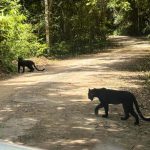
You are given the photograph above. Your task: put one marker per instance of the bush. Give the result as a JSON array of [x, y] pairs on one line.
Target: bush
[[59, 50], [16, 35]]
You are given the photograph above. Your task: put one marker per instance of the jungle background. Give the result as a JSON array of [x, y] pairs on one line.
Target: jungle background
[[60, 28]]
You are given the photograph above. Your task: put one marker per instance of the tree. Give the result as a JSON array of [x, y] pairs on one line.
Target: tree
[[48, 21], [131, 17]]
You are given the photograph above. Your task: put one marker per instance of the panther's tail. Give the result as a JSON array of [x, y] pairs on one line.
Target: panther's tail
[[38, 69], [138, 110]]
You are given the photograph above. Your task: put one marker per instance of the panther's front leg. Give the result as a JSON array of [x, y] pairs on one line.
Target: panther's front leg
[[106, 107], [97, 108]]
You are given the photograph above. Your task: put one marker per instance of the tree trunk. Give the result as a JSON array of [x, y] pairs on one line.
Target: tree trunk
[[48, 21], [103, 5]]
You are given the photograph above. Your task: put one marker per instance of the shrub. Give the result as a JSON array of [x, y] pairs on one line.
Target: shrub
[[16, 36]]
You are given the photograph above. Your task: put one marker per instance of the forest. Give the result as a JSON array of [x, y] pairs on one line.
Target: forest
[[60, 28]]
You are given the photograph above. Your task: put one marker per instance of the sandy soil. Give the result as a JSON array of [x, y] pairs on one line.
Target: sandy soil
[[50, 109]]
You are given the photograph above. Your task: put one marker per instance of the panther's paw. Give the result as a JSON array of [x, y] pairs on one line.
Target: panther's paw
[[136, 123], [105, 116]]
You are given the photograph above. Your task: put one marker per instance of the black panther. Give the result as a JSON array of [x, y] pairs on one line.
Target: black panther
[[27, 63], [109, 96]]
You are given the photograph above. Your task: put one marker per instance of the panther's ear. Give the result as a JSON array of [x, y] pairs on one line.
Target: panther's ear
[[89, 90], [19, 57]]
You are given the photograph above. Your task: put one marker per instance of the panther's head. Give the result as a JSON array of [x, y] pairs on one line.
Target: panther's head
[[20, 58], [96, 93], [91, 94]]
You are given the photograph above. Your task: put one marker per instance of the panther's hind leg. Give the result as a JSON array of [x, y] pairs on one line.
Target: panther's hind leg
[[31, 68], [133, 113], [126, 112], [23, 69]]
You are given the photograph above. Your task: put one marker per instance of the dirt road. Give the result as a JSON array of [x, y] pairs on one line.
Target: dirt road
[[50, 109]]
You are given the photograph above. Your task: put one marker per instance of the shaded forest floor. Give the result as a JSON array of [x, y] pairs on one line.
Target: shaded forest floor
[[50, 110]]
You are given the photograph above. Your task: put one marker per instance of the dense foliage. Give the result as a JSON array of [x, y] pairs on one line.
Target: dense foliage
[[131, 17], [75, 26], [16, 35]]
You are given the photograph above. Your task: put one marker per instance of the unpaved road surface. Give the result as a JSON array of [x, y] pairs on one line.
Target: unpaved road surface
[[50, 109]]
